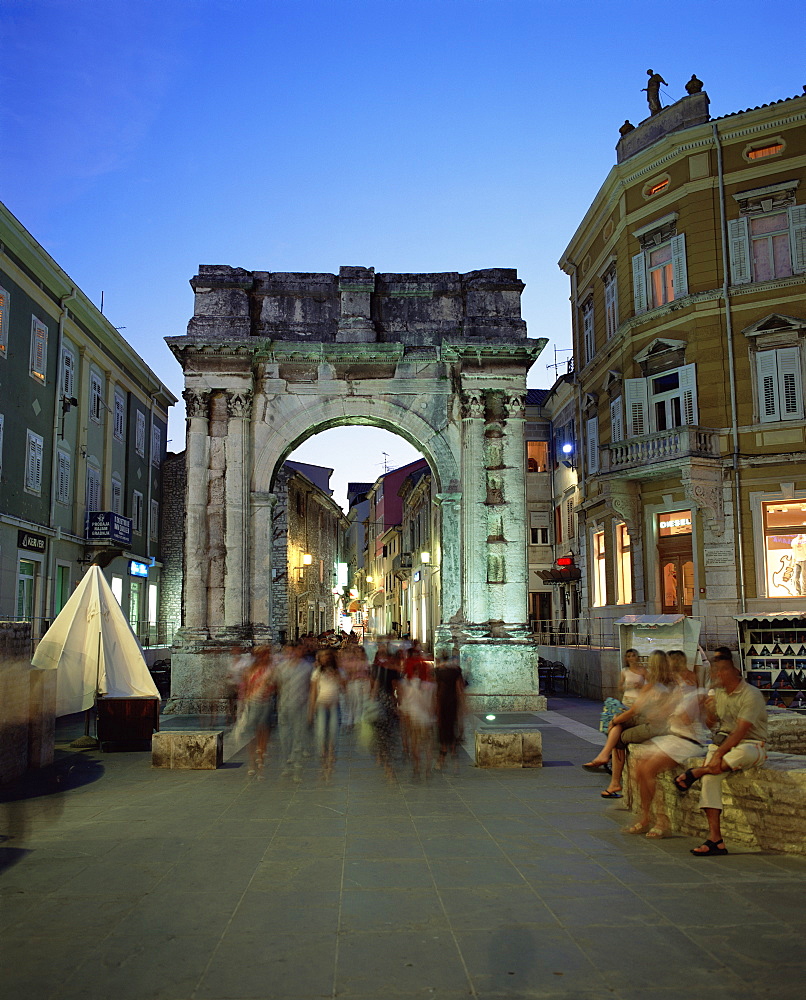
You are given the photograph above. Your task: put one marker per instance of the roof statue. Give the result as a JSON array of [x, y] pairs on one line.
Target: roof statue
[[653, 90]]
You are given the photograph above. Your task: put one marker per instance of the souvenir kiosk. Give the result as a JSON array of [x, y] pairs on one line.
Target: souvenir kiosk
[[772, 650]]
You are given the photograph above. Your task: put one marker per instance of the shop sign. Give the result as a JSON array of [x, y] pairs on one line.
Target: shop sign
[[107, 526], [677, 522], [28, 540], [138, 568]]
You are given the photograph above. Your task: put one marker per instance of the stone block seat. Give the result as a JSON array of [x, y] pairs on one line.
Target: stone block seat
[[188, 750], [764, 807], [509, 739]]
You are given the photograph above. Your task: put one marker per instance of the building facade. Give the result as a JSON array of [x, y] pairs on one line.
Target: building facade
[[688, 276], [83, 429]]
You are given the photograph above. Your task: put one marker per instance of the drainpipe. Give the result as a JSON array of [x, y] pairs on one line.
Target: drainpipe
[[734, 422], [50, 582]]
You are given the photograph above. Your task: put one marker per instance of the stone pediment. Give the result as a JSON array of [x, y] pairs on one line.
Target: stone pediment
[[775, 323], [660, 345]]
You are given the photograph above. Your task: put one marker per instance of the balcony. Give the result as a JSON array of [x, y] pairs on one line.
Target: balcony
[[655, 454], [400, 564]]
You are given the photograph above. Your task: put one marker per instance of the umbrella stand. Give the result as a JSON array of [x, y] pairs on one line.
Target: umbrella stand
[[87, 742]]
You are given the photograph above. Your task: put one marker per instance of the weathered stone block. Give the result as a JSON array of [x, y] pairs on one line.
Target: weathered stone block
[[188, 750], [509, 749]]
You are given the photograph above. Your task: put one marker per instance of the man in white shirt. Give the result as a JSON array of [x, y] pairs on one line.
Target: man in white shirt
[[738, 713]]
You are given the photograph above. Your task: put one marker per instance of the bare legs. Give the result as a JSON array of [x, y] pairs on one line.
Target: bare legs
[[601, 758]]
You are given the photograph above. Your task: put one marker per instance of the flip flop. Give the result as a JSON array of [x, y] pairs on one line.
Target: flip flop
[[684, 781], [713, 849], [611, 795], [595, 767]]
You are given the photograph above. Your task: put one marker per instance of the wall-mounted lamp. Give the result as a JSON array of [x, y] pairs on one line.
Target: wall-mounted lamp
[[307, 559], [568, 451], [370, 579], [425, 557]]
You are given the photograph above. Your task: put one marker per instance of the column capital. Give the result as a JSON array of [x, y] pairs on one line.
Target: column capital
[[514, 403], [702, 487], [472, 403], [622, 497], [239, 404], [197, 402]]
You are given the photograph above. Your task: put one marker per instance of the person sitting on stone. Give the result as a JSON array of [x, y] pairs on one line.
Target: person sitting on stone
[[736, 711]]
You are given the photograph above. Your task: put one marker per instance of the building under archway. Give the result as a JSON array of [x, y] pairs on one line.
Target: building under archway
[[441, 359]]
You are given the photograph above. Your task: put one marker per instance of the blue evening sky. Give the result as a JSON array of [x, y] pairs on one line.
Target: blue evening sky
[[140, 139]]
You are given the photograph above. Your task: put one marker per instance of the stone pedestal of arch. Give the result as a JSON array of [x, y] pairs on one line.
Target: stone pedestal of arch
[[440, 359]]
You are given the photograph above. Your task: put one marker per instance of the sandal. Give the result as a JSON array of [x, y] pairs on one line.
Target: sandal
[[593, 766], [657, 833], [713, 849], [636, 828], [684, 781], [611, 795]]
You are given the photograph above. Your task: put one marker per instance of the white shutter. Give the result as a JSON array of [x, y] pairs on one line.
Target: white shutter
[[739, 250], [790, 383], [688, 394], [593, 445], [797, 237], [679, 272], [616, 420], [39, 347], [639, 282], [635, 400], [117, 496], [68, 373], [93, 489], [33, 469], [767, 372]]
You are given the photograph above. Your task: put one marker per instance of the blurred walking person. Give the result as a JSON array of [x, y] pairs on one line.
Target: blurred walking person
[[257, 689], [326, 685], [450, 707], [293, 678]]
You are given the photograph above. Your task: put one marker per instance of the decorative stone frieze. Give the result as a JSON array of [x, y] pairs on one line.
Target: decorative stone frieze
[[623, 498]]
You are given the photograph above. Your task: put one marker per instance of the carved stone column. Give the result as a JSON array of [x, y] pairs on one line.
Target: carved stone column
[[451, 561], [514, 517], [495, 501], [261, 539], [217, 516], [474, 512], [236, 594], [197, 458]]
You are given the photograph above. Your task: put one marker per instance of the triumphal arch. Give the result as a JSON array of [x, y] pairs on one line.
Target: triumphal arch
[[441, 359]]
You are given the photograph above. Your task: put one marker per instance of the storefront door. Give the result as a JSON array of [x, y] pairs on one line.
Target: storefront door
[[676, 563]]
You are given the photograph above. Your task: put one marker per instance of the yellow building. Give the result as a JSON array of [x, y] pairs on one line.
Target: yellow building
[[688, 282]]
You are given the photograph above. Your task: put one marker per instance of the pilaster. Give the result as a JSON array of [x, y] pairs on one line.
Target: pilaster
[[236, 598], [474, 513], [195, 575]]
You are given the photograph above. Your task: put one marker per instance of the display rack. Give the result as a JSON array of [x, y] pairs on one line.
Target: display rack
[[773, 657]]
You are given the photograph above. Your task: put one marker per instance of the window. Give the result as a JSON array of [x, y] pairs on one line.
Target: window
[[120, 416], [762, 152], [33, 463], [780, 384], [5, 308], [611, 302], [537, 456], [656, 188], [785, 547], [616, 420], [588, 334], [661, 402], [39, 349], [154, 526], [768, 240], [140, 435], [96, 397], [659, 271], [156, 448], [599, 578], [539, 536], [137, 512], [623, 564], [63, 477], [558, 524], [117, 495], [592, 429], [93, 488]]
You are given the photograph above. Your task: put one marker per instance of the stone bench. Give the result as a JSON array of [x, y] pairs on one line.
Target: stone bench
[[508, 748], [764, 807], [191, 750]]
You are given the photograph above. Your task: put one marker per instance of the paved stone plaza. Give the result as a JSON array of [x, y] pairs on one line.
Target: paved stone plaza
[[124, 882]]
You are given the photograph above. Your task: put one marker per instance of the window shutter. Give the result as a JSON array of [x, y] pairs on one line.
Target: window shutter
[[635, 399], [39, 347], [38, 463], [790, 385], [739, 251], [616, 420], [4, 310], [797, 237], [767, 370], [593, 445], [688, 393], [68, 373], [63, 486], [679, 272], [639, 282]]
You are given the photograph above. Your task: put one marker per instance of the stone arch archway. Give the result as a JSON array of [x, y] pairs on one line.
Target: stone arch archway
[[440, 359]]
